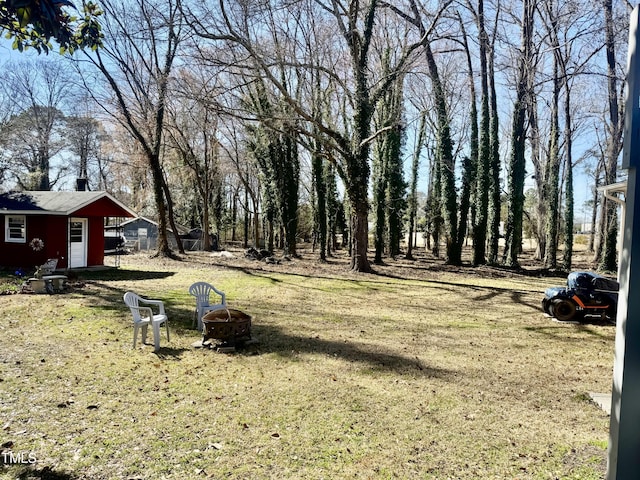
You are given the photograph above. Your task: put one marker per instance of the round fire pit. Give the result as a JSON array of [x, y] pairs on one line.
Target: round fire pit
[[227, 325]]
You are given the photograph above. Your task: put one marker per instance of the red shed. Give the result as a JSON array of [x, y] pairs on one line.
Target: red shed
[[68, 226]]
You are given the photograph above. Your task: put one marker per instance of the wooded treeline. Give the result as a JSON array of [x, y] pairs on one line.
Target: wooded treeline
[[342, 122]]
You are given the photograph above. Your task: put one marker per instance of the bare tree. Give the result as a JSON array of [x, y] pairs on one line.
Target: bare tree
[[85, 138], [347, 143], [136, 62], [417, 16]]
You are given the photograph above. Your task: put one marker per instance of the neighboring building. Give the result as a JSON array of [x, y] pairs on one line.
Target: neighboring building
[[68, 226], [141, 233]]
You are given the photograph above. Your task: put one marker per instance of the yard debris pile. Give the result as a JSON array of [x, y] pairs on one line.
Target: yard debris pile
[[263, 255]]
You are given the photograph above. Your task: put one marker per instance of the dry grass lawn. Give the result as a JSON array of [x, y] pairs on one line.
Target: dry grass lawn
[[420, 371]]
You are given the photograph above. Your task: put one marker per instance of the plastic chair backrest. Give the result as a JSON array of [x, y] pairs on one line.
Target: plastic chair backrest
[[132, 301], [202, 292]]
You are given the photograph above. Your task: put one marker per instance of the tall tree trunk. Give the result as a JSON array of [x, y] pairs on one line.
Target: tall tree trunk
[[290, 173], [171, 216], [465, 199], [333, 207], [550, 259], [484, 150], [163, 248], [413, 192], [359, 235], [608, 260], [517, 163], [435, 207], [234, 214], [256, 221], [380, 181], [144, 115], [469, 165], [594, 208], [396, 186], [320, 188], [567, 255], [540, 177], [444, 157], [494, 165], [245, 237]]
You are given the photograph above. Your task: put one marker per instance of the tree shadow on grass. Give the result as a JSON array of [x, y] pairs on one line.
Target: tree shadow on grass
[[110, 298], [45, 473], [487, 293], [120, 274], [557, 329], [271, 339], [170, 353]]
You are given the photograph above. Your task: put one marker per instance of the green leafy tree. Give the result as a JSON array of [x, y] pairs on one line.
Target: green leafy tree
[[34, 23], [33, 135]]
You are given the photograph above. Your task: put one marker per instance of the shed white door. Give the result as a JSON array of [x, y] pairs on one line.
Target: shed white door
[[77, 242]]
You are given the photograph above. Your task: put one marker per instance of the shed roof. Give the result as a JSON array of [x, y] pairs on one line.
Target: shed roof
[[181, 229], [62, 203]]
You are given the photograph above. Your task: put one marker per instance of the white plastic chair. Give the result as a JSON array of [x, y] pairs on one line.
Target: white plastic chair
[[202, 292], [143, 316]]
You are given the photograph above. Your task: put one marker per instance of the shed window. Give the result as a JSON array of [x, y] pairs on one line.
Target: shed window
[[15, 229]]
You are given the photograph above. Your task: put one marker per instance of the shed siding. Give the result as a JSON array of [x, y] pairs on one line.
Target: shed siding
[[102, 207], [95, 247], [51, 229]]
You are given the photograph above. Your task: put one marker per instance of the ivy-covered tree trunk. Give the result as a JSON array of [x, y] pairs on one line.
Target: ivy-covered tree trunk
[[289, 175], [608, 259], [389, 185], [275, 149], [494, 168], [550, 260], [247, 220], [567, 254], [515, 185], [483, 168], [434, 207], [320, 189], [333, 207], [42, 181], [541, 175], [517, 162], [396, 190], [359, 233], [444, 157], [357, 161], [469, 164], [610, 248], [380, 180]]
